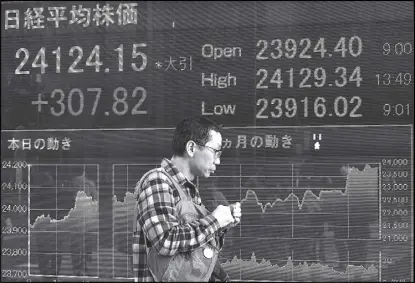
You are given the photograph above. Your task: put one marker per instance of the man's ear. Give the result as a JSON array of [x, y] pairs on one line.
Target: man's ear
[[190, 148]]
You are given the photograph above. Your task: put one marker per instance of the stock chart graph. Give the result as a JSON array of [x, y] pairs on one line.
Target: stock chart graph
[[64, 220], [311, 231], [302, 221], [308, 215], [331, 229]]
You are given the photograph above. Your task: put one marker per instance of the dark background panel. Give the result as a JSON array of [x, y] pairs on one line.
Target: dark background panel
[[236, 32], [305, 218]]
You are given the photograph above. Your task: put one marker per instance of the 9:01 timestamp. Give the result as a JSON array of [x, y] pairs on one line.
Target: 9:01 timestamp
[[396, 109]]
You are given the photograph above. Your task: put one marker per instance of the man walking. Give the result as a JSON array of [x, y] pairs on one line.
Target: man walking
[[163, 224]]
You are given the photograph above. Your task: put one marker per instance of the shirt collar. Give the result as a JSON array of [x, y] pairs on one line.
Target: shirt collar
[[176, 174]]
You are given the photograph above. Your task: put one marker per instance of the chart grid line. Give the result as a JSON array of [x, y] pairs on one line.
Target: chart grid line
[[113, 223], [98, 236], [380, 266], [294, 178], [292, 267], [348, 264], [28, 219], [128, 234], [55, 223], [292, 203], [236, 127], [240, 196], [412, 196], [348, 206], [380, 201]]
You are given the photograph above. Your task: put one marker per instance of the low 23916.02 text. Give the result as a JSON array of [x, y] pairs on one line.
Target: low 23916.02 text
[[319, 107]]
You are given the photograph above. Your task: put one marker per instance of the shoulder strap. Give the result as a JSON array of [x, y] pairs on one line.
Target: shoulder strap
[[160, 169], [137, 194], [175, 184], [138, 191]]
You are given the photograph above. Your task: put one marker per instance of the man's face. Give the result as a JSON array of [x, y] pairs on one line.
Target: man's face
[[205, 159]]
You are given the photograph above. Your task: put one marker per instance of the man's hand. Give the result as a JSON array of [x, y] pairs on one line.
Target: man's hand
[[223, 215], [236, 212]]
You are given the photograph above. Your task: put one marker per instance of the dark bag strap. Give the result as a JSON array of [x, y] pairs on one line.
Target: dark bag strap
[[138, 192], [163, 171], [175, 184]]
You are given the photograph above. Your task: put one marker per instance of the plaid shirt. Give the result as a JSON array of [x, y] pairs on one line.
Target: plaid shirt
[[158, 220]]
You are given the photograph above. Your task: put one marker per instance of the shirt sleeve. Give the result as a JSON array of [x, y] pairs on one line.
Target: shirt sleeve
[[158, 218]]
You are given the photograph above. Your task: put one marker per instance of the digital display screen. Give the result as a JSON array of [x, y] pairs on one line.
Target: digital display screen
[[316, 100]]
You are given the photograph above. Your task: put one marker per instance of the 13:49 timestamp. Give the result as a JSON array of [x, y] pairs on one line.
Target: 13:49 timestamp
[[394, 79]]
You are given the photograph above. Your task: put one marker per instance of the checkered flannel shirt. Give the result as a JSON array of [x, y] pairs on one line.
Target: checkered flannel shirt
[[158, 220]]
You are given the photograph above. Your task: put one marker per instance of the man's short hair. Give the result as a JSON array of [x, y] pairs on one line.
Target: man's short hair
[[195, 128]]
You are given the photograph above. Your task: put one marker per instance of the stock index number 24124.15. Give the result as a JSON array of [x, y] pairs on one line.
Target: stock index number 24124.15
[[58, 58]]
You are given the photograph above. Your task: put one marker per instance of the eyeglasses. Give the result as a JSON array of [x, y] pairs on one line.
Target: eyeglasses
[[217, 152]]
